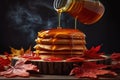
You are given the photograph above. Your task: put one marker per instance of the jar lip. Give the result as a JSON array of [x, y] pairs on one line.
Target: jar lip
[[64, 8]]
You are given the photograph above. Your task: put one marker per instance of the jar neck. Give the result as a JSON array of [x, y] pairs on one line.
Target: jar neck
[[60, 7]]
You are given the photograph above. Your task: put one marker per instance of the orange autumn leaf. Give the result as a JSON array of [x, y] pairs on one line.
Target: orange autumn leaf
[[19, 52], [28, 50], [16, 52]]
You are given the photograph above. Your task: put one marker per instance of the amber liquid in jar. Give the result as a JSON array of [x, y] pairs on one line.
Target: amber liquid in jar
[[86, 11]]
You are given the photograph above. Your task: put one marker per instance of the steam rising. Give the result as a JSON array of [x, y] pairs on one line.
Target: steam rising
[[25, 19], [29, 18]]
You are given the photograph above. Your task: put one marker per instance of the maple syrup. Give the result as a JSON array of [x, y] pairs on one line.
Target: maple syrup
[[59, 20], [86, 11], [75, 23]]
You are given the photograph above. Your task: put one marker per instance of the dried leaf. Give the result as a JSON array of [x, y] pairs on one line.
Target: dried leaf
[[2, 68], [93, 53], [116, 66], [90, 70], [4, 61], [31, 55], [53, 59], [20, 69], [75, 59], [16, 52], [115, 56], [28, 50]]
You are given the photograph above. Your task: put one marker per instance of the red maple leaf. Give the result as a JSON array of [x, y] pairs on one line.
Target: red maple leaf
[[31, 55], [2, 68], [93, 53], [115, 66], [75, 59], [4, 62], [20, 69], [53, 59], [90, 70], [115, 56]]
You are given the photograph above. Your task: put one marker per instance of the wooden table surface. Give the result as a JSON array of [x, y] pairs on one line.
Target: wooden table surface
[[52, 77]]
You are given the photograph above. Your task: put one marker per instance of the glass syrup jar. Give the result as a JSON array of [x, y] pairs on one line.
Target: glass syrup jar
[[85, 11]]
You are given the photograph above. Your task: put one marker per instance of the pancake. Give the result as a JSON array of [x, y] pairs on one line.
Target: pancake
[[62, 33], [60, 47], [59, 41], [59, 52]]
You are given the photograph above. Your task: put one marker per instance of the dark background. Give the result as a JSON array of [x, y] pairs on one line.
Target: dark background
[[20, 20]]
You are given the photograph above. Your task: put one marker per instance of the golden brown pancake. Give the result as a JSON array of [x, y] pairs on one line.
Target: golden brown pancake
[[60, 47], [62, 33], [60, 52], [59, 41]]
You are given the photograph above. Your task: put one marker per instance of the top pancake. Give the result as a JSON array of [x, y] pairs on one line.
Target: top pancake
[[61, 33]]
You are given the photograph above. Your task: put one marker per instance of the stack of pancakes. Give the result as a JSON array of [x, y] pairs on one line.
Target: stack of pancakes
[[62, 43]]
